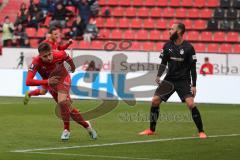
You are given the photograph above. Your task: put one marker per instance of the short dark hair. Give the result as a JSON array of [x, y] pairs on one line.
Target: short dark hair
[[44, 47], [182, 27], [52, 29]]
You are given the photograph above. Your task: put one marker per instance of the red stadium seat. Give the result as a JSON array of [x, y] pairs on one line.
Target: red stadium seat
[[116, 34], [168, 12], [66, 30], [150, 3], [187, 3], [131, 12], [100, 22], [137, 3], [75, 45], [111, 23], [180, 13], [171, 22], [129, 34], [225, 48], [199, 3], [193, 13], [149, 23], [34, 43], [213, 47], [162, 3], [154, 35], [219, 36], [104, 34], [174, 3], [165, 35], [193, 36], [161, 24], [155, 12], [188, 23], [199, 47], [101, 2], [136, 23], [112, 2], [98, 45], [124, 3], [206, 13], [142, 35], [84, 45], [159, 46], [31, 32], [123, 23], [236, 48], [117, 12], [199, 24], [212, 3], [148, 46], [232, 37], [143, 12], [206, 36], [136, 46], [42, 32], [72, 9]]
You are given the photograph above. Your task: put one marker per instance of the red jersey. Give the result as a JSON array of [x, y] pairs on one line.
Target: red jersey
[[206, 68], [55, 46], [55, 68]]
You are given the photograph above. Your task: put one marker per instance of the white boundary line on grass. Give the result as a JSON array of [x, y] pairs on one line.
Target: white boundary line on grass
[[120, 143], [95, 156]]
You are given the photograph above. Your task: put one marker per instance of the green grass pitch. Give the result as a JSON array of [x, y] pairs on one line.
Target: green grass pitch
[[36, 126]]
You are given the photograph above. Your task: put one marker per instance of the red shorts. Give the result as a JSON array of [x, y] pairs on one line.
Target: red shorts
[[63, 86]]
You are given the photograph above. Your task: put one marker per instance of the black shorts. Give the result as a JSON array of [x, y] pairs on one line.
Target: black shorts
[[182, 87]]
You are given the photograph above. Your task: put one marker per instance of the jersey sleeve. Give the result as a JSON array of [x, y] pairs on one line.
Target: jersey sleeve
[[192, 55], [30, 81], [164, 54]]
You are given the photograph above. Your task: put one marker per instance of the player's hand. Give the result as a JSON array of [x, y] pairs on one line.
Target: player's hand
[[157, 80], [194, 91], [70, 41], [53, 80]]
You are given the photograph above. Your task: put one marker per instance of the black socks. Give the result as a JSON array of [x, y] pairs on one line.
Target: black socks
[[154, 114], [197, 119]]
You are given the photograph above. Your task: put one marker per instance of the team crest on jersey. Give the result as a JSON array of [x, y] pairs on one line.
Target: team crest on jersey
[[181, 51]]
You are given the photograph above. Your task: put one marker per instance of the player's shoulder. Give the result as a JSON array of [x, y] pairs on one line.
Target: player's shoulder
[[167, 44], [187, 44], [36, 60]]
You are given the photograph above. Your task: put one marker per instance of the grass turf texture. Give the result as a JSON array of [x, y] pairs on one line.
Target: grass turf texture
[[36, 126]]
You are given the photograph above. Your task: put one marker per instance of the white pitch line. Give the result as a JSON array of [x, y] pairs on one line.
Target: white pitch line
[[121, 143], [95, 156]]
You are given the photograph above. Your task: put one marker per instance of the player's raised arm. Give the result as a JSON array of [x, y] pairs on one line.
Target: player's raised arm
[[65, 46]]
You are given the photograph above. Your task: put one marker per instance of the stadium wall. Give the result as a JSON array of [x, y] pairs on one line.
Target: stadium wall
[[211, 89]]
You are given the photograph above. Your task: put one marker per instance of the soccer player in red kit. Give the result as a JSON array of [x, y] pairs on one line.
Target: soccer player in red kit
[[52, 41], [56, 79]]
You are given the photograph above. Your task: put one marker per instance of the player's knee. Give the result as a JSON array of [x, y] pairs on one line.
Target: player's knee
[[190, 104], [156, 101]]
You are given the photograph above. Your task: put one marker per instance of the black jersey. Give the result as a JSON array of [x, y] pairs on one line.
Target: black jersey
[[179, 59]]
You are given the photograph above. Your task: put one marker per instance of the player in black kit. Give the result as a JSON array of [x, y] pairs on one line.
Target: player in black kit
[[179, 55]]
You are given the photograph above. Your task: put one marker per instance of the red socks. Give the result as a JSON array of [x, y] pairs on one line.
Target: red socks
[[65, 113], [35, 92], [76, 116]]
